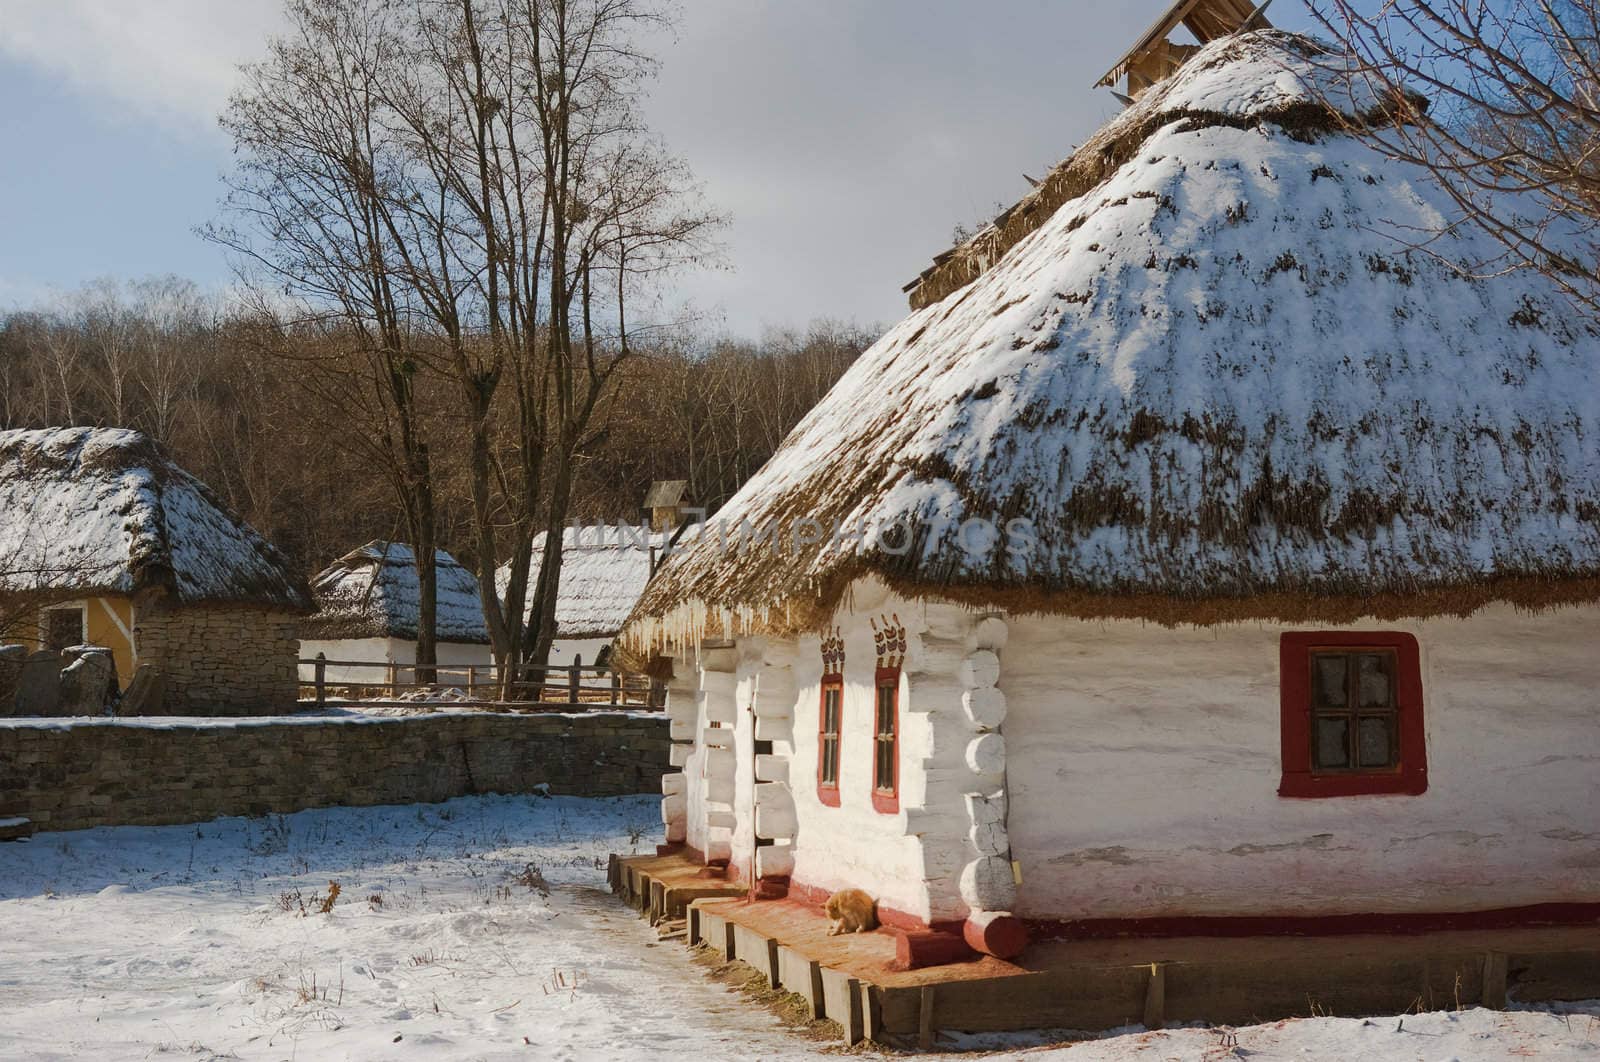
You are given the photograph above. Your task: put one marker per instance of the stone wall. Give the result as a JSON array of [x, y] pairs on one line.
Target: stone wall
[[66, 775], [221, 659]]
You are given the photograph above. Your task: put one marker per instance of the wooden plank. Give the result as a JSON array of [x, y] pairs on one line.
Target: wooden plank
[[818, 997], [730, 943], [855, 1029], [694, 925], [1494, 980], [925, 1018], [774, 975], [1155, 997]]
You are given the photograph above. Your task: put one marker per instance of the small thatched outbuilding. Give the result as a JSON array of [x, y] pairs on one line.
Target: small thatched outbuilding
[[104, 540], [1196, 555], [367, 612], [604, 570]]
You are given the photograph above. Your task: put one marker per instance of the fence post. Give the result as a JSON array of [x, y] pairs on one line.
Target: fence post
[[322, 679], [573, 678], [616, 685], [393, 675], [472, 680]]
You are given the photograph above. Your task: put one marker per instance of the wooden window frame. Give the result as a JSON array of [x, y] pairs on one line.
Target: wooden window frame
[[80, 607], [1301, 778], [828, 792], [886, 800]]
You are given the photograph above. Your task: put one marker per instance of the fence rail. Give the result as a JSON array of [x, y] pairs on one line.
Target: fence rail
[[560, 687]]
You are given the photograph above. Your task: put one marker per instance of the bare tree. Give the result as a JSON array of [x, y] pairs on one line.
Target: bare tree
[[311, 197], [1507, 119]]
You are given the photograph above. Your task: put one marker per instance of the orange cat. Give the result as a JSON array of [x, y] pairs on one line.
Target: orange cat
[[851, 911]]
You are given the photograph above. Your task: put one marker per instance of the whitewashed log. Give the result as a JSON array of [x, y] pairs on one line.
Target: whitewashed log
[[721, 820], [721, 762], [674, 783], [679, 755], [681, 729], [718, 659], [674, 807], [776, 821], [986, 755], [719, 684], [770, 705], [686, 708], [719, 709], [774, 861], [717, 737], [770, 768], [774, 730], [719, 849], [985, 708], [980, 670], [985, 808], [990, 633], [678, 831], [989, 839], [719, 790], [987, 885]]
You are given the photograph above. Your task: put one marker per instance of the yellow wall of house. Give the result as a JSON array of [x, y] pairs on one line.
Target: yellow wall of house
[[101, 630]]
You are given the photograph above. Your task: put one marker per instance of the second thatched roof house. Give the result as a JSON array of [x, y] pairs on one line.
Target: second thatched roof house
[[368, 612], [103, 539], [1196, 557]]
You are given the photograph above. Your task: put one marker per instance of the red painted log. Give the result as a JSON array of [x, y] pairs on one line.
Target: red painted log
[[996, 933], [916, 948]]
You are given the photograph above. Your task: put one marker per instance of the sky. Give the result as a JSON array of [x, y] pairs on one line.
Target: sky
[[845, 139]]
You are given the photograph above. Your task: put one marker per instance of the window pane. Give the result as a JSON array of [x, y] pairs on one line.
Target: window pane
[[1327, 680], [830, 760], [885, 710], [1373, 682], [1333, 742], [63, 628], [885, 775], [830, 711], [1376, 741]]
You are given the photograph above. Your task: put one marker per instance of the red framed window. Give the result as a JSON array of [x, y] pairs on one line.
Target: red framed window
[[886, 740], [1351, 714], [829, 716]]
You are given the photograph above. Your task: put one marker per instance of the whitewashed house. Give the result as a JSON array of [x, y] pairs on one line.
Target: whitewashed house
[[604, 570], [367, 613], [1195, 558]]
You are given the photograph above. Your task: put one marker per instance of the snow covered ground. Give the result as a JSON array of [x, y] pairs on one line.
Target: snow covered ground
[[475, 929]]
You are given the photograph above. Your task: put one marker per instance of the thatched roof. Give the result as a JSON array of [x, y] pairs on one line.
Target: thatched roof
[[104, 510], [372, 592], [1216, 383], [604, 569]]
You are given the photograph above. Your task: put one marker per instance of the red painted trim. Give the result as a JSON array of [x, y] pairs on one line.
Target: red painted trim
[[1409, 922], [814, 896], [1294, 662], [886, 801], [829, 793]]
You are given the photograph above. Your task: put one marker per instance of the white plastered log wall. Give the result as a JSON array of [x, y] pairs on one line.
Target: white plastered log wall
[[1144, 766]]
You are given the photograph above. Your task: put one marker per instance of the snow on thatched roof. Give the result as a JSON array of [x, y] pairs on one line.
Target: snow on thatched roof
[[604, 569], [372, 592], [104, 510], [1216, 384]]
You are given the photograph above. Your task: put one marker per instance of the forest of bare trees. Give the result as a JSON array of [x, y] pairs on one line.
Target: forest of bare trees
[[219, 387]]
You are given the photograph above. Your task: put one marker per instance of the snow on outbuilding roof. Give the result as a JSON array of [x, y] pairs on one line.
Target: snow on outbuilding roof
[[604, 569], [104, 510], [372, 592], [1216, 384]]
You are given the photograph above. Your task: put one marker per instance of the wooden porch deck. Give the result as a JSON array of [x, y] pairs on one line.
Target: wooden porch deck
[[1102, 984]]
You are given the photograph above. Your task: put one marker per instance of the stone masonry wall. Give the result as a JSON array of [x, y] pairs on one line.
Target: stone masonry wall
[[221, 660], [74, 774]]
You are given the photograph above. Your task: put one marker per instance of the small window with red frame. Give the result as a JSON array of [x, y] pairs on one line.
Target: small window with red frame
[[828, 729], [886, 741], [1351, 714]]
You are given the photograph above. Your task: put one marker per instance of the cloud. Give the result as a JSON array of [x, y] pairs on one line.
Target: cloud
[[171, 60]]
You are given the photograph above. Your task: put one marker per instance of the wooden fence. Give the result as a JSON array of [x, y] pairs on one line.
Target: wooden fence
[[563, 687]]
